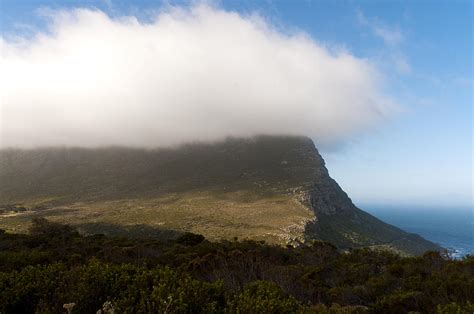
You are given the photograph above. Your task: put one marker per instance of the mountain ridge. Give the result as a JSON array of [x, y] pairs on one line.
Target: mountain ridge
[[274, 188]]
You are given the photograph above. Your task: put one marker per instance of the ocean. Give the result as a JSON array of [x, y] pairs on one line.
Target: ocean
[[451, 228]]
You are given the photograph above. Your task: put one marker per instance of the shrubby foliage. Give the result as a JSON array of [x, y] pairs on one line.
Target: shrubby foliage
[[54, 266]]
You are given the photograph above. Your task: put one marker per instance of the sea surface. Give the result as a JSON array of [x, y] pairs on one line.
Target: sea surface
[[452, 228]]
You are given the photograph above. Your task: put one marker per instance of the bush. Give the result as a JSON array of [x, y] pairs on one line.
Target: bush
[[264, 297], [454, 308], [55, 266], [44, 227], [190, 239]]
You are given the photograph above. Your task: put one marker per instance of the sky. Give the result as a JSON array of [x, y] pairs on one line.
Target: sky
[[385, 89]]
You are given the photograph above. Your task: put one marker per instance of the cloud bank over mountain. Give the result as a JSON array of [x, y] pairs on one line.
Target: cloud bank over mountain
[[198, 73]]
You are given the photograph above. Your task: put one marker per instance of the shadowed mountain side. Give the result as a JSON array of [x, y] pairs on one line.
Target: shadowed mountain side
[[109, 173], [275, 188], [362, 229], [134, 231]]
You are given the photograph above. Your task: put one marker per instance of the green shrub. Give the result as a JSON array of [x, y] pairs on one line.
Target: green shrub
[[190, 238], [454, 308], [39, 273], [264, 297]]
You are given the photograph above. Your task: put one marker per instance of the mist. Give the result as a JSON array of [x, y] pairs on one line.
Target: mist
[[195, 73]]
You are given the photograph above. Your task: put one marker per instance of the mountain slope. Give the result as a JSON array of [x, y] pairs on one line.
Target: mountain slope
[[274, 188]]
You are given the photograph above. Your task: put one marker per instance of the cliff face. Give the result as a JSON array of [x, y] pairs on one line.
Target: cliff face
[[337, 219], [266, 187]]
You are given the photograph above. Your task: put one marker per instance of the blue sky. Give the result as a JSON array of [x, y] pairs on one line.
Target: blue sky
[[420, 156]]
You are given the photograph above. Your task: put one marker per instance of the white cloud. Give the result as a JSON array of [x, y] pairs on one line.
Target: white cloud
[[197, 73], [108, 3], [392, 38], [390, 35]]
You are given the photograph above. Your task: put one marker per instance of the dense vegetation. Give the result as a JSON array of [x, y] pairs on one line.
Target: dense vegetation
[[55, 266]]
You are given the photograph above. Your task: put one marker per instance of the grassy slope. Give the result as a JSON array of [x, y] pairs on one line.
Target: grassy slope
[[276, 219]]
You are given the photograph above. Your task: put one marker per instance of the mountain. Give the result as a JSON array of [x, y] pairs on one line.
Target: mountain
[[272, 188]]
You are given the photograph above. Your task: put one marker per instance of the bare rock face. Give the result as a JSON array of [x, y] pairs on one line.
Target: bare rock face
[[339, 221], [321, 192], [266, 166]]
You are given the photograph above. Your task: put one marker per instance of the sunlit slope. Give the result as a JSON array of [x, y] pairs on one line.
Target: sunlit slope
[[273, 188]]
